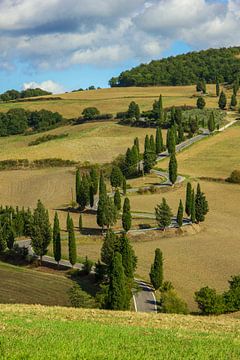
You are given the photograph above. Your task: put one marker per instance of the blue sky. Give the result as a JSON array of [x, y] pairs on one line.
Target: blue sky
[[61, 45]]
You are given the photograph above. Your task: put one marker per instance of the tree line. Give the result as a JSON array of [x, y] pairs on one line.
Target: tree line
[[16, 95]]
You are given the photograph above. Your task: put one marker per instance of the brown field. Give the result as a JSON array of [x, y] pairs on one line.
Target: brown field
[[93, 142], [117, 99]]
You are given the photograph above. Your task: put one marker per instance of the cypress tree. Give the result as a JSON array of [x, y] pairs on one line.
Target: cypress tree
[[94, 180], [159, 141], [116, 177], [126, 215], [3, 242], [117, 291], [217, 88], [78, 183], [193, 210], [173, 169], [222, 101], [188, 204], [102, 186], [68, 221], [146, 143], [91, 195], [109, 247], [211, 122], [9, 235], [180, 134], [136, 143], [110, 213], [172, 115], [152, 144], [180, 214], [56, 239], [101, 210], [149, 155], [233, 101], [171, 141], [117, 200], [133, 111], [163, 214], [178, 116], [201, 205], [41, 234], [72, 244], [80, 223], [84, 193], [156, 273], [128, 256], [201, 103], [124, 185]]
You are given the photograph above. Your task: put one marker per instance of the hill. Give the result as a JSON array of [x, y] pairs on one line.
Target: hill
[[184, 69], [36, 332]]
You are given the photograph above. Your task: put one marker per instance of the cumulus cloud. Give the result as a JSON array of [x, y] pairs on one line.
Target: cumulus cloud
[[47, 85], [55, 34]]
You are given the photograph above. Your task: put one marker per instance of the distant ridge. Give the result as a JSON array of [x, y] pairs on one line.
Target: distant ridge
[[185, 69]]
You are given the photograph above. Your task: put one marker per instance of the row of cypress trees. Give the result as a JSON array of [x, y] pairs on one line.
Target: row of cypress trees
[[86, 188]]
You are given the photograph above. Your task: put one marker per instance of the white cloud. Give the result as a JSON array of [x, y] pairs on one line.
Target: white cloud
[[55, 34], [47, 85]]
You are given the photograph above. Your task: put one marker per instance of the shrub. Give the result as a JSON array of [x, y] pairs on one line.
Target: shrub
[[46, 138], [234, 177], [87, 266], [80, 299], [232, 296], [209, 302], [90, 112], [201, 103], [17, 255], [171, 303]]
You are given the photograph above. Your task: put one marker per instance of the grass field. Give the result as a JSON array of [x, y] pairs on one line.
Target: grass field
[[83, 334], [25, 286], [94, 142], [117, 99]]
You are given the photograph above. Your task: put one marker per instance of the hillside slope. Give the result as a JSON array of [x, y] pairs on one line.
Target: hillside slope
[[184, 69], [36, 332]]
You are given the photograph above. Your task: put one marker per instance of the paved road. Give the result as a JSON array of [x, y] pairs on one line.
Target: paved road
[[144, 300]]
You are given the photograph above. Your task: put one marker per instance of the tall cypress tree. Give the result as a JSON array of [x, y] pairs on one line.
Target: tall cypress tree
[[201, 205], [156, 273], [109, 247], [124, 185], [188, 203], [152, 144], [102, 185], [116, 177], [80, 223], [56, 239], [117, 291], [126, 215], [211, 122], [128, 256], [171, 141], [233, 101], [117, 200], [180, 134], [222, 102], [193, 210], [72, 244], [84, 193], [78, 183], [3, 242], [41, 234], [136, 143], [91, 195], [173, 169], [94, 180], [159, 141], [149, 155], [180, 214], [68, 221], [163, 214], [110, 215]]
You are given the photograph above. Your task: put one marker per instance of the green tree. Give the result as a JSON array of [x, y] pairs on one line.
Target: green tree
[[180, 134], [172, 168], [156, 272], [159, 141], [211, 122], [117, 200], [116, 177], [94, 180], [233, 101], [152, 144], [117, 291], [201, 205], [101, 211], [149, 155], [78, 184], [193, 209], [90, 113], [56, 239], [222, 102], [128, 256], [91, 195], [136, 143], [209, 302], [3, 242], [84, 192], [126, 215], [171, 141], [41, 234], [68, 221], [109, 247], [110, 216], [163, 214], [201, 103], [188, 203], [157, 111], [80, 223], [133, 111], [102, 185], [72, 250], [180, 214], [124, 185], [217, 88]]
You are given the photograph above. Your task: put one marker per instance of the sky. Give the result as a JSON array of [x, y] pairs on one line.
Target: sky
[[61, 45]]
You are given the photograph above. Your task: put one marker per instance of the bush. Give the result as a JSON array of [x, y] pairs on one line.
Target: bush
[[232, 296], [209, 302], [80, 299], [171, 303], [46, 138], [201, 103], [17, 255], [90, 113], [234, 177]]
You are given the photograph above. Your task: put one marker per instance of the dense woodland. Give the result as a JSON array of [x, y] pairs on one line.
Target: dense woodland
[[222, 64], [16, 95]]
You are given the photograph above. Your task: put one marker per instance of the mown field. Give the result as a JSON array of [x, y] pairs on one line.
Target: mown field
[[93, 142], [26, 286], [83, 334], [117, 99]]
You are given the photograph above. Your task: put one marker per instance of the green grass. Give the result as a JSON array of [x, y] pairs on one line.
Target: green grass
[[25, 286], [57, 333]]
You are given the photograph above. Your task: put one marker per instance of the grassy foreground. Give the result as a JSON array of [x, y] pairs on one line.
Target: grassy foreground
[[35, 332]]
